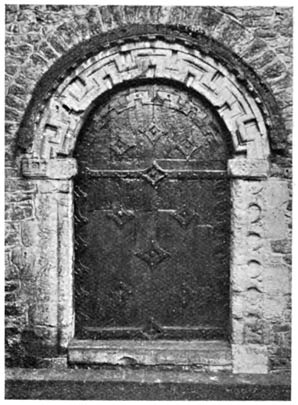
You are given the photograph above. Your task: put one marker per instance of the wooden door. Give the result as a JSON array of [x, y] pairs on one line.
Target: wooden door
[[152, 218]]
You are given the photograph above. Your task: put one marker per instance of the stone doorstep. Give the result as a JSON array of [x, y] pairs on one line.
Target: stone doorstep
[[124, 383], [145, 375], [208, 355]]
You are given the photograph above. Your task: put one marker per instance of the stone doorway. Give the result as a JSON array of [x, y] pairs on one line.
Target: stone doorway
[[152, 218], [230, 89]]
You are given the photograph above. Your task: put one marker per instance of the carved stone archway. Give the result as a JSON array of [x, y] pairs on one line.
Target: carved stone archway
[[62, 119], [49, 163]]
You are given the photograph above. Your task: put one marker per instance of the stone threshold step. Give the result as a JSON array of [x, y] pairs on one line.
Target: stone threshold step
[[122, 383], [206, 355]]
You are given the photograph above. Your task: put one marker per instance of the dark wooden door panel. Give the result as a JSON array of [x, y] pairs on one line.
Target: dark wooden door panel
[[152, 219]]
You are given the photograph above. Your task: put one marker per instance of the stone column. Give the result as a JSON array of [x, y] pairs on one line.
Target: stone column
[[51, 319]]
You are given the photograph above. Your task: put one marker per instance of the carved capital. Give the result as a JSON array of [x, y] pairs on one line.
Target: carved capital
[[59, 169], [248, 168]]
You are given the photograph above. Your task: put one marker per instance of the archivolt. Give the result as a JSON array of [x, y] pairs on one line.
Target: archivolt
[[152, 56]]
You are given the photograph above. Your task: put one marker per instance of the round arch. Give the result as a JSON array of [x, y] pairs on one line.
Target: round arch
[[187, 59]]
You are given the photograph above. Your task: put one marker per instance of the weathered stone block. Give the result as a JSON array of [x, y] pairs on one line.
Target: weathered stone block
[[11, 271], [53, 169], [47, 51], [15, 102], [275, 199], [276, 279], [288, 259], [250, 359], [24, 260], [18, 196], [257, 47], [242, 284], [12, 286], [57, 44], [16, 90], [12, 234], [54, 186], [20, 185], [40, 61], [40, 341], [249, 280], [29, 232], [274, 70], [12, 115], [254, 332], [26, 83], [42, 309], [248, 168], [207, 355], [264, 59], [247, 303], [275, 305], [10, 129], [282, 246], [14, 308]]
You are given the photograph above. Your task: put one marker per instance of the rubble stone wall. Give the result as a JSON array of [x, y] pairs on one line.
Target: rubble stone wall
[[37, 36]]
